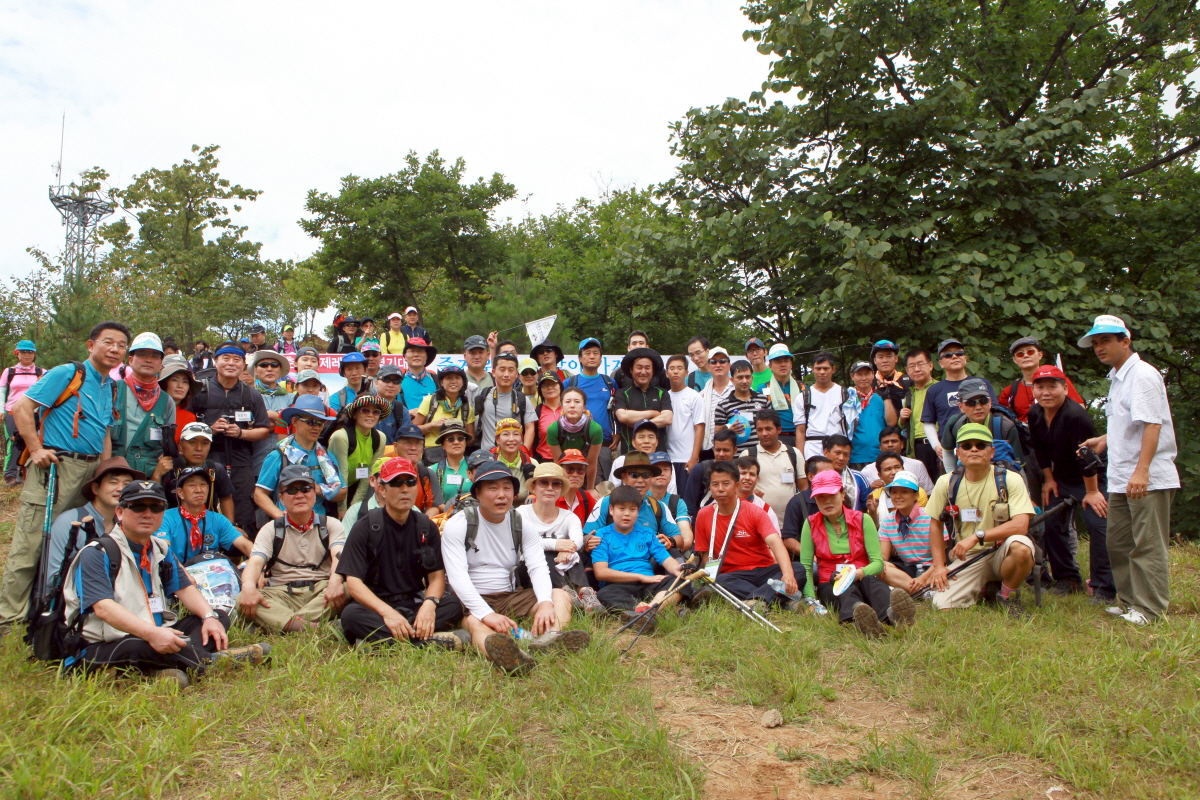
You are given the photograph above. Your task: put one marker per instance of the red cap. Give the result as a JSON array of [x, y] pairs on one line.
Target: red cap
[[395, 467], [572, 456], [1049, 371], [416, 341]]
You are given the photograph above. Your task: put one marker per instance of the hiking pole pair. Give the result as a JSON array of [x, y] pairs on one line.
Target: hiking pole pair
[[648, 616], [738, 604], [1038, 521]]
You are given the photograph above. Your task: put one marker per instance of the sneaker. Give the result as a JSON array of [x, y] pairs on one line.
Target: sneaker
[[591, 602], [903, 611], [923, 596], [1012, 605], [503, 652], [11, 481], [571, 641], [176, 676], [464, 636], [650, 625], [1136, 617], [256, 654], [1064, 588], [444, 640], [1116, 610], [576, 603], [867, 621], [1104, 600]]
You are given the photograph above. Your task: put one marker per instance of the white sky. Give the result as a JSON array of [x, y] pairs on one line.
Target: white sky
[[560, 97]]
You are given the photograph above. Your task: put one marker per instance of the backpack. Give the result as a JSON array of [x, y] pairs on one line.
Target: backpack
[[519, 406], [949, 515], [72, 390], [281, 533], [385, 339], [37, 373], [514, 524], [752, 451], [428, 548], [809, 407], [1023, 434], [47, 631]]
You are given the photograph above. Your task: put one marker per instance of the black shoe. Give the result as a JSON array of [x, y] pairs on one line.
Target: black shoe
[[703, 596], [651, 623], [991, 593], [1012, 605], [1064, 588]]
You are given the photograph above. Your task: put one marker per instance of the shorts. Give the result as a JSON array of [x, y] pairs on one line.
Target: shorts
[[513, 604], [966, 587]]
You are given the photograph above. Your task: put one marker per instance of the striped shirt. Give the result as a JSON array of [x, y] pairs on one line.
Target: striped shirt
[[914, 548]]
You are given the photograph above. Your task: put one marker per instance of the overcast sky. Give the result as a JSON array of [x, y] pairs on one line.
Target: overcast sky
[[560, 97]]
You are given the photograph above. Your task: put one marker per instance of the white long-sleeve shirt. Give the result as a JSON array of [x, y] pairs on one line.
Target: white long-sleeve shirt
[[565, 526], [490, 567]]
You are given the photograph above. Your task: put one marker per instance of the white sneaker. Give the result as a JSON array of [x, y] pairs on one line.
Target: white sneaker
[[1116, 611], [1136, 617]]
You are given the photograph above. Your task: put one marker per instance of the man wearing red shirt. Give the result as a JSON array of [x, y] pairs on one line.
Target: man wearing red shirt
[[754, 554], [1027, 354]]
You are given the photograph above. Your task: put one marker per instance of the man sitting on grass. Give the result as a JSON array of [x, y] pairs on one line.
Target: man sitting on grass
[[392, 556], [625, 558], [904, 534], [479, 548]]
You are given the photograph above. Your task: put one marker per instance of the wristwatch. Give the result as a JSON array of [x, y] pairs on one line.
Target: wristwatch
[[434, 600], [210, 615], [979, 535]]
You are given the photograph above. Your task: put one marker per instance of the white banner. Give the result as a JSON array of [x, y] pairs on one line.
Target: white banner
[[539, 329]]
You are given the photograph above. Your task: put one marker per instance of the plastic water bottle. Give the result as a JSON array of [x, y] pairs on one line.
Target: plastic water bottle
[[779, 586], [521, 633]]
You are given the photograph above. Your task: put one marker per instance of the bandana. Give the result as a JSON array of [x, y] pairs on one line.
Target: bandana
[[263, 389], [293, 453], [895, 381], [146, 392], [145, 564], [301, 528], [566, 426], [195, 538], [508, 424]]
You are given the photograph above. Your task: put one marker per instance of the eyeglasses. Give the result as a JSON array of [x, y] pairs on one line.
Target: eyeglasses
[[303, 488], [403, 480], [1024, 353], [311, 422], [142, 508], [974, 445], [955, 354], [454, 439], [718, 361], [637, 475], [976, 402]]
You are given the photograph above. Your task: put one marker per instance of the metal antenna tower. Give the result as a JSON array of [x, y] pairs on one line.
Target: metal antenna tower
[[81, 213]]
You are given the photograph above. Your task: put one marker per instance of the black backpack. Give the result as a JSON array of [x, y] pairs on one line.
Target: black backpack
[[949, 517], [519, 405], [514, 524], [47, 631], [429, 543]]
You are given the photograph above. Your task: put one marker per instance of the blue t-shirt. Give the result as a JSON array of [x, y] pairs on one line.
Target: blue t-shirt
[[97, 409], [268, 477], [414, 390], [870, 422], [598, 397], [698, 380], [645, 518], [941, 403], [92, 583], [217, 533], [637, 551]]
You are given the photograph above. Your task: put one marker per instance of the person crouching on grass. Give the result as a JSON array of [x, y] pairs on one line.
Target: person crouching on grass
[[904, 532], [835, 536]]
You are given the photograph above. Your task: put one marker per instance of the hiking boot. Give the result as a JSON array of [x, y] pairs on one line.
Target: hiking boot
[[1012, 605], [1104, 600], [991, 593], [464, 636], [1064, 588], [571, 641], [703, 596], [176, 676], [923, 596], [11, 481], [503, 652], [903, 611], [255, 654], [650, 622], [867, 621], [445, 640], [576, 603], [1136, 617], [591, 602]]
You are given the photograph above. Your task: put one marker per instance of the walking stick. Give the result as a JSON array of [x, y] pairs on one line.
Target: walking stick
[[741, 606], [1037, 522]]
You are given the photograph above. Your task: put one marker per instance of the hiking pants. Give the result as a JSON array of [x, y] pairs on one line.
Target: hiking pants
[[746, 584], [870, 590], [1057, 542], [11, 468], [287, 601], [1138, 534], [628, 595], [243, 480], [576, 576], [26, 549], [136, 653], [361, 623]]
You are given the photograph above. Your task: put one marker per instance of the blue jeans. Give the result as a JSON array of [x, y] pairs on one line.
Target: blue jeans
[[1057, 542]]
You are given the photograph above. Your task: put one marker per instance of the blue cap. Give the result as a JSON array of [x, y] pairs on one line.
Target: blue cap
[[26, 344], [308, 404], [591, 340], [350, 358], [1105, 323], [660, 458], [410, 431], [645, 423], [492, 471], [904, 480], [244, 339]]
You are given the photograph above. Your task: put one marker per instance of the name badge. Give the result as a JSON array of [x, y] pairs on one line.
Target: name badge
[[156, 604], [712, 568], [156, 434], [454, 480], [971, 515], [243, 416], [787, 477], [362, 473]]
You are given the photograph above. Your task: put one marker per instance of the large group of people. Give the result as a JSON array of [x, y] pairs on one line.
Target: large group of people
[[481, 507]]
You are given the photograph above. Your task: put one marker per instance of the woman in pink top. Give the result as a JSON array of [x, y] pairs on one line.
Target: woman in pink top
[[14, 382], [549, 409]]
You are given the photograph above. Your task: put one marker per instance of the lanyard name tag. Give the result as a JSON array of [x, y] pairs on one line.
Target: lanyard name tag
[[156, 604], [787, 477], [454, 480], [971, 515], [362, 473], [156, 434], [243, 416], [713, 567]]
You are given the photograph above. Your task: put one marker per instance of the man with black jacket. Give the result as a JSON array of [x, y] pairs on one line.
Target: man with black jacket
[[1057, 426], [643, 398]]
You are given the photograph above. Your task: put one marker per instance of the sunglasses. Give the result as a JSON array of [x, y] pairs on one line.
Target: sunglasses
[[1024, 353], [974, 445], [310, 421], [454, 439], [955, 354], [553, 484], [142, 508], [403, 480], [718, 361], [976, 402], [575, 470], [301, 489], [637, 475], [374, 412]]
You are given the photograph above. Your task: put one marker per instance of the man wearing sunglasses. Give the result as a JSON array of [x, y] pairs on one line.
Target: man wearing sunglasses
[[387, 386], [941, 399], [195, 442], [636, 471], [981, 519], [127, 619], [716, 390], [1019, 396], [975, 405], [305, 420]]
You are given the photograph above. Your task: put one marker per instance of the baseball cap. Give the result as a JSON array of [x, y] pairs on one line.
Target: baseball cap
[[492, 471], [295, 473], [196, 430], [388, 371], [527, 363], [754, 341], [142, 490], [257, 329], [452, 369], [1105, 323], [779, 350], [146, 341], [659, 458], [410, 431], [973, 432], [946, 343], [26, 344], [588, 342], [508, 357], [826, 482], [308, 351], [972, 387], [477, 458], [904, 480], [1022, 342], [310, 375], [547, 376], [1049, 371], [289, 327], [645, 423], [395, 467], [717, 351], [410, 309], [372, 347], [573, 456], [475, 342], [189, 472], [861, 365], [395, 315]]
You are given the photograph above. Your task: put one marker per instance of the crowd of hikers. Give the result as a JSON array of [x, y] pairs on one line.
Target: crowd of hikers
[[165, 496]]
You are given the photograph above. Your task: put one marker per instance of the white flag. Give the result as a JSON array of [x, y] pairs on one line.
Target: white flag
[[539, 329]]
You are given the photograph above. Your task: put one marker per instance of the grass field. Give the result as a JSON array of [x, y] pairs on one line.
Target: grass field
[[967, 704]]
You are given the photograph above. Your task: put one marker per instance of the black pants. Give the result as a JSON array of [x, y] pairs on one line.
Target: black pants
[[745, 584], [870, 590], [360, 622], [1056, 542], [923, 451], [243, 480], [681, 477], [576, 576], [628, 595], [11, 468], [137, 653]]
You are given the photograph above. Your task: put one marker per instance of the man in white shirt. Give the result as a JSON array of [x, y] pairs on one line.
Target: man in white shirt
[[819, 407], [780, 467], [480, 555], [686, 435], [713, 393], [1142, 478]]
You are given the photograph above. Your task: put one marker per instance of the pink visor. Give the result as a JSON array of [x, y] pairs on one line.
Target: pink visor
[[826, 482]]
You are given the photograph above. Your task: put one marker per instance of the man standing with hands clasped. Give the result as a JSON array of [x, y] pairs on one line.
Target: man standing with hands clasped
[[1142, 478]]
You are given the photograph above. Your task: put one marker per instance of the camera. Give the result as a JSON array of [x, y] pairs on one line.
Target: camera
[[1091, 462]]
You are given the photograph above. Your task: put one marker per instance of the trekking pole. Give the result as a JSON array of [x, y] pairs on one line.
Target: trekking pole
[[739, 605], [39, 575], [1038, 521], [676, 585]]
